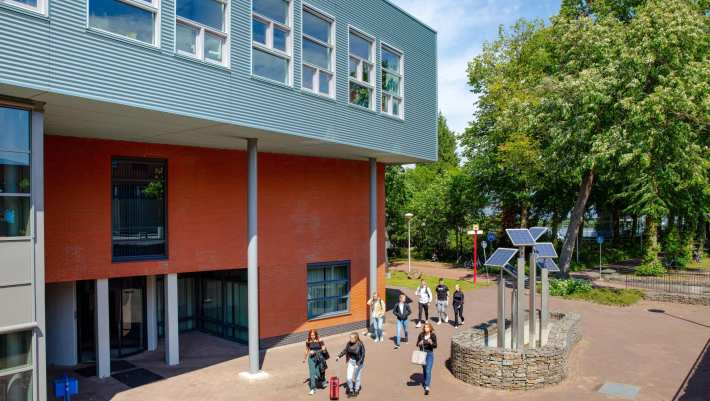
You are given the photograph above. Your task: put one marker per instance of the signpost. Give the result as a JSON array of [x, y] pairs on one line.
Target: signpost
[[600, 241], [475, 233]]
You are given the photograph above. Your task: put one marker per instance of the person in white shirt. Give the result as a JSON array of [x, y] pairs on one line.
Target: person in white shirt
[[423, 294]]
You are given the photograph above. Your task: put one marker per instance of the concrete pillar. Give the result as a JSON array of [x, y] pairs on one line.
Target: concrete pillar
[[373, 226], [172, 330], [103, 333], [501, 309], [533, 294], [252, 256], [545, 300], [519, 305], [151, 306]]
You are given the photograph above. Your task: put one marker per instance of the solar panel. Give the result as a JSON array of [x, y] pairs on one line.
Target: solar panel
[[548, 264], [545, 250], [537, 232], [501, 256], [520, 236], [512, 270]]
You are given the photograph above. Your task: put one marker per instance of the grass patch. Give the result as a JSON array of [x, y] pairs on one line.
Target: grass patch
[[399, 279], [608, 296], [704, 263]]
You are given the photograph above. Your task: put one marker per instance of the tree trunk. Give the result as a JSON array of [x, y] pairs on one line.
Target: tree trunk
[[651, 239], [524, 217], [576, 221], [555, 225], [615, 232], [507, 221]]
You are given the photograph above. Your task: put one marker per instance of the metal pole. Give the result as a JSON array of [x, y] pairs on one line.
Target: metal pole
[[252, 257], [520, 307], [373, 226], [600, 262], [514, 319], [409, 244], [501, 310], [545, 300], [533, 294]]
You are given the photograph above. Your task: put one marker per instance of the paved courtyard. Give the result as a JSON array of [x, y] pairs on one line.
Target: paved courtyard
[[657, 347]]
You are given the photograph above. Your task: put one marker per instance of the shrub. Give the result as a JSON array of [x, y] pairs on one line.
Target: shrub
[[651, 269], [569, 287], [609, 296]]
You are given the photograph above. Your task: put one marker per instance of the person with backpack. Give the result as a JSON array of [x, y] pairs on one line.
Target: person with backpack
[[458, 306], [354, 353], [401, 312], [427, 343], [316, 354], [423, 294], [442, 301], [377, 308]]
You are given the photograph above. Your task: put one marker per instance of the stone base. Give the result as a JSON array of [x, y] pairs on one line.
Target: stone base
[[260, 375], [474, 362]]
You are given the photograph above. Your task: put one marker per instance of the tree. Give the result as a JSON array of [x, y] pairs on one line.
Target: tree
[[447, 144]]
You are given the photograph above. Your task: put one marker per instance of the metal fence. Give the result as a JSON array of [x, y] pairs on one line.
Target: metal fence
[[673, 282]]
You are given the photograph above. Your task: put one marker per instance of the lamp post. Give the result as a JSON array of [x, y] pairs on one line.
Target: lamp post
[[409, 216]]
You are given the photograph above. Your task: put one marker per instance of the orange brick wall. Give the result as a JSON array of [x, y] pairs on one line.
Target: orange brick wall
[[310, 210]]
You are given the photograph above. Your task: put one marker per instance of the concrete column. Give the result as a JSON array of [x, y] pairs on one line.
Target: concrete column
[[103, 334], [252, 256], [519, 305], [172, 330], [533, 294], [37, 190], [545, 300], [151, 306], [501, 309], [373, 226]]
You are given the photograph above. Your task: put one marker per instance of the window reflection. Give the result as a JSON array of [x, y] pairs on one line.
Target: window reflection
[[123, 19]]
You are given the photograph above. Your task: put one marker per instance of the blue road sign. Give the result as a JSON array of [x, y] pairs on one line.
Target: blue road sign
[[491, 236], [600, 239]]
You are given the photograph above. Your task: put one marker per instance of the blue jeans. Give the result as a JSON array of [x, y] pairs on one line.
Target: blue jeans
[[427, 368], [401, 326], [377, 323], [354, 376]]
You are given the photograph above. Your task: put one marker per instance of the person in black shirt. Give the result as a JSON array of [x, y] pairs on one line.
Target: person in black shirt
[[442, 301], [458, 306], [316, 354], [354, 353], [401, 311], [427, 343]]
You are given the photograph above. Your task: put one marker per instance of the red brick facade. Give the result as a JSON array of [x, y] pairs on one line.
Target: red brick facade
[[310, 210]]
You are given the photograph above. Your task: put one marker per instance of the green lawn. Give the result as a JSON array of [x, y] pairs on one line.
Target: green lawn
[[608, 296], [399, 279], [704, 263]]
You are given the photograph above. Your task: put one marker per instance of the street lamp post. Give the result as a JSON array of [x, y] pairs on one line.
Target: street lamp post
[[409, 216]]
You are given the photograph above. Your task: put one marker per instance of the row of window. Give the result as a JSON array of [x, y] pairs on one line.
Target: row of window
[[16, 366], [202, 32]]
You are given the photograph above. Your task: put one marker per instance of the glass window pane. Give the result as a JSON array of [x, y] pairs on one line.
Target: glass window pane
[[340, 273], [186, 39], [353, 67], [395, 107], [14, 129], [390, 83], [122, 19], [280, 39], [309, 75], [277, 10], [366, 73], [390, 60], [316, 54], [269, 66], [258, 29], [15, 350], [315, 275], [360, 47], [17, 387], [324, 82], [213, 47], [316, 27], [385, 103], [31, 3], [360, 95], [14, 216], [14, 172], [206, 12]]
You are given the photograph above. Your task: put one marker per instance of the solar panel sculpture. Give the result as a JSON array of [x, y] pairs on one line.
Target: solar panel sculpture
[[540, 257]]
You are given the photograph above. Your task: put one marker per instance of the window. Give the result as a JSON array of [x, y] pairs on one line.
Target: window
[[139, 209], [135, 19], [361, 70], [39, 6], [328, 289], [16, 366], [318, 53], [271, 40], [392, 98], [201, 30], [14, 172]]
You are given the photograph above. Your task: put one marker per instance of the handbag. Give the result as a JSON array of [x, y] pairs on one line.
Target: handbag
[[419, 357], [326, 354]]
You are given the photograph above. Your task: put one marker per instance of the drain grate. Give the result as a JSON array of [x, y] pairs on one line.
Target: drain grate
[[626, 391]]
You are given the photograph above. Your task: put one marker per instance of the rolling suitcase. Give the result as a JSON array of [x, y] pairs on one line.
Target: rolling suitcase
[[334, 388]]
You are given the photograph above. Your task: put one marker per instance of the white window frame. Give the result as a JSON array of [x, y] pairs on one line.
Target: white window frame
[[200, 40], [269, 46], [40, 9], [400, 74], [153, 7], [373, 64], [331, 46]]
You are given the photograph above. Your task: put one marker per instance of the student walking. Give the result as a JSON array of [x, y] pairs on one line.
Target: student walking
[[427, 343], [458, 305], [354, 353], [377, 308], [401, 312], [442, 301], [316, 354], [423, 294]]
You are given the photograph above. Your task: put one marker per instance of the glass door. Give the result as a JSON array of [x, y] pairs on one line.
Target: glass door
[[127, 316], [85, 320]]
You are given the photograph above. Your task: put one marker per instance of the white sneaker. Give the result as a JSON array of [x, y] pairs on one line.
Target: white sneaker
[[419, 324], [446, 319], [312, 392], [438, 323]]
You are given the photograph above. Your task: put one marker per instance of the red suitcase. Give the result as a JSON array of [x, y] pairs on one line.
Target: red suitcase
[[334, 388]]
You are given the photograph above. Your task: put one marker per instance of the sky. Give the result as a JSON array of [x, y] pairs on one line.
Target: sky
[[463, 26]]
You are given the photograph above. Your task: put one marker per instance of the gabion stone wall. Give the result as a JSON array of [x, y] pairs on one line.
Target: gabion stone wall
[[475, 363]]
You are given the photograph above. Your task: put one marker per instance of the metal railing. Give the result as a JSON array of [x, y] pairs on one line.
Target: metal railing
[[673, 282]]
